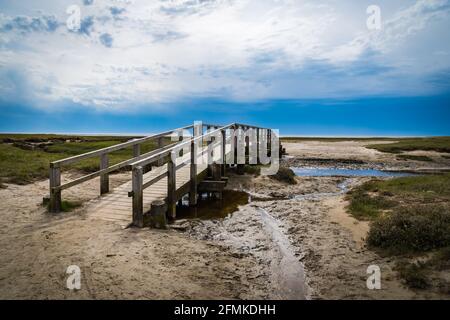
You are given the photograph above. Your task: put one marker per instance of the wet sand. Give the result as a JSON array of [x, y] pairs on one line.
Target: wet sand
[[289, 241]]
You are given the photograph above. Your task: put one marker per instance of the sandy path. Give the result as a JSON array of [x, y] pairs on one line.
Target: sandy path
[[36, 248], [303, 246]]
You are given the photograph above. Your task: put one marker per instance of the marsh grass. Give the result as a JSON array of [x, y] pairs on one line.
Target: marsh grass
[[412, 229], [66, 206], [371, 198], [414, 275], [410, 217], [414, 157], [252, 169], [408, 214], [21, 166], [285, 175], [439, 144]]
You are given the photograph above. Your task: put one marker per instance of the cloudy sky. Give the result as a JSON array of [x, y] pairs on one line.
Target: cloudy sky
[[158, 63]]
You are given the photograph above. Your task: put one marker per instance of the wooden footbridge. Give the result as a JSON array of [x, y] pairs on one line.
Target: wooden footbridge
[[195, 162]]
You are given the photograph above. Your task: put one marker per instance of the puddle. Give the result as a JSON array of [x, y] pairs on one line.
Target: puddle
[[330, 172], [210, 208]]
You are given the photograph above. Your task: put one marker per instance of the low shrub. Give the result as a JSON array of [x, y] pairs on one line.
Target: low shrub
[[285, 175], [414, 275], [412, 229]]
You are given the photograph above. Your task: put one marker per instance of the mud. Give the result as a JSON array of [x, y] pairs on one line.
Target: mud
[[288, 241]]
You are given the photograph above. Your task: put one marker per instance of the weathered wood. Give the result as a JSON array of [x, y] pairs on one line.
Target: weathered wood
[[171, 189], [110, 169], [158, 218], [257, 145], [115, 147], [55, 194], [193, 175], [138, 197], [136, 150], [104, 178], [211, 186], [216, 172], [224, 145], [160, 145]]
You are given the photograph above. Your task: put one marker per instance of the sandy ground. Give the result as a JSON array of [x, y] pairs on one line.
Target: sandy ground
[[36, 248], [291, 242]]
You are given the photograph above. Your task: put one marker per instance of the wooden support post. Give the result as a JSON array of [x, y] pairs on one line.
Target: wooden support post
[[138, 201], [216, 172], [55, 195], [160, 145], [257, 145], [104, 178], [247, 150], [235, 140], [136, 150], [171, 189], [224, 149], [193, 176], [158, 217]]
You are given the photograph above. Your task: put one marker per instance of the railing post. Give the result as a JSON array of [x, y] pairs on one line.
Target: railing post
[[193, 176], [55, 195], [224, 149], [104, 178], [138, 201], [171, 188], [136, 150], [257, 145], [160, 145]]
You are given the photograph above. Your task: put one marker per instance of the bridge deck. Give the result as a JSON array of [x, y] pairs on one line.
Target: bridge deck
[[116, 206]]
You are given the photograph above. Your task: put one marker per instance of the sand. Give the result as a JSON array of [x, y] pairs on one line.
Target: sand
[[299, 243]]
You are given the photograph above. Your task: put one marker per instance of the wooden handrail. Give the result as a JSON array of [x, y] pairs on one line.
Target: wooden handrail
[[116, 147], [136, 163], [181, 145]]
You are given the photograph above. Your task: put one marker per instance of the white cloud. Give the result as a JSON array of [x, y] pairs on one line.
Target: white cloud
[[149, 52]]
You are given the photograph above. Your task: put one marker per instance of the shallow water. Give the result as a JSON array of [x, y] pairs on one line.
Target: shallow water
[[208, 208], [329, 172], [287, 270]]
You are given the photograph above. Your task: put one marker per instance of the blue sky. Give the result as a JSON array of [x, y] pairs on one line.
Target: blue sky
[[305, 67]]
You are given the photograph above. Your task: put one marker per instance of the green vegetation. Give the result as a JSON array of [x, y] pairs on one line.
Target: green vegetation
[[410, 216], [374, 197], [285, 175], [329, 139], [414, 274], [66, 206], [23, 166], [412, 229], [440, 144], [252, 169], [413, 157]]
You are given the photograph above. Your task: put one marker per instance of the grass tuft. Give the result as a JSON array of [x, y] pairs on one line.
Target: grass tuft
[[439, 144], [412, 229], [413, 157], [285, 175], [414, 275]]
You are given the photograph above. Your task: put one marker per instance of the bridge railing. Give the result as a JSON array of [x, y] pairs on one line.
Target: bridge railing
[[104, 169], [137, 163], [137, 167]]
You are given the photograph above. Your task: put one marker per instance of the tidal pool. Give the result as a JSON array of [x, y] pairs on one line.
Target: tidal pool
[[208, 208], [329, 172]]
